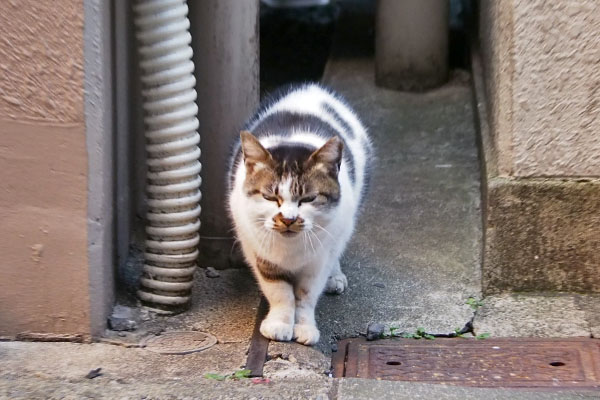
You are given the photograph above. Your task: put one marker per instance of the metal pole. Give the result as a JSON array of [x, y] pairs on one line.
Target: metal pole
[[411, 44], [225, 42]]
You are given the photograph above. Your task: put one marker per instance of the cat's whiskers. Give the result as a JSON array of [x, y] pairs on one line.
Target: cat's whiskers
[[323, 229], [264, 236], [304, 240], [260, 221], [271, 239], [268, 233], [311, 243], [260, 243], [316, 237]]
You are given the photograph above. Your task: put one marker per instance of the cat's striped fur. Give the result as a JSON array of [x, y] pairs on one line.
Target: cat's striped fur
[[298, 176]]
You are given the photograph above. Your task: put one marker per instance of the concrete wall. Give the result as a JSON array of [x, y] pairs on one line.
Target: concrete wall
[[99, 127], [43, 169], [541, 144], [543, 83]]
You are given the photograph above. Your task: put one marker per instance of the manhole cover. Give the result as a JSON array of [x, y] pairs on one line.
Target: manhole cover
[[524, 362], [179, 342]]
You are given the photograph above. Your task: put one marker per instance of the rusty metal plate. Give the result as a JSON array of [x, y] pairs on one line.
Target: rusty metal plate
[[259, 345], [522, 362], [179, 342]]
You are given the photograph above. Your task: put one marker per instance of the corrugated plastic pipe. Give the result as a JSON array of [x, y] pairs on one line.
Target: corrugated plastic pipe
[[173, 190]]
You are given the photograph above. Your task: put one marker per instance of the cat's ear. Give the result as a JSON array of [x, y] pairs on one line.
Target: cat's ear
[[329, 156], [254, 152]]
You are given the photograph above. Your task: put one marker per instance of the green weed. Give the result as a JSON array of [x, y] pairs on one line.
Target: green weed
[[241, 374], [474, 303]]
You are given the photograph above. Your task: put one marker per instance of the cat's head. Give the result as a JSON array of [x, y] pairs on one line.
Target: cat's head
[[291, 187]]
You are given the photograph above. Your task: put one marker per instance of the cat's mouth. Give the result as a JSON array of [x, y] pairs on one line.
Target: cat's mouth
[[288, 233]]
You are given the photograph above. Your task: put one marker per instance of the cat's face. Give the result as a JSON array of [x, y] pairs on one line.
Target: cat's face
[[291, 189]]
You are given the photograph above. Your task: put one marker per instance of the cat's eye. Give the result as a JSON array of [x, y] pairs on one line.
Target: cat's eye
[[308, 199], [270, 198]]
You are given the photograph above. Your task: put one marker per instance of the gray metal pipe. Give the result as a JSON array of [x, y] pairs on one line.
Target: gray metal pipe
[[411, 44], [172, 145]]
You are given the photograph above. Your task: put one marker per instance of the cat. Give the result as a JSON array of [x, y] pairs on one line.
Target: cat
[[297, 177]]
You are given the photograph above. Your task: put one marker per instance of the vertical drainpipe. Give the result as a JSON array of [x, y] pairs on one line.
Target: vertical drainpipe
[[171, 124]]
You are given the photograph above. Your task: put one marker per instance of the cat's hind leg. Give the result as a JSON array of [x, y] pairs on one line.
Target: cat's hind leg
[[337, 281]]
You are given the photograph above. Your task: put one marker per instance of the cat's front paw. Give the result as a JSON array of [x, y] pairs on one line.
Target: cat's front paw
[[306, 334], [276, 330], [336, 284]]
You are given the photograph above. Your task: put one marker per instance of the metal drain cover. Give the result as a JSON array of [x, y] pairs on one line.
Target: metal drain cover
[[179, 342], [523, 362]]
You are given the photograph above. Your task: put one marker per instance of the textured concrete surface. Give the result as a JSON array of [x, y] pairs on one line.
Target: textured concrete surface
[[591, 307], [295, 360], [414, 259], [43, 165], [224, 306], [42, 63], [58, 370], [495, 33], [30, 389], [542, 235], [44, 284], [537, 315], [534, 53], [360, 389], [556, 52]]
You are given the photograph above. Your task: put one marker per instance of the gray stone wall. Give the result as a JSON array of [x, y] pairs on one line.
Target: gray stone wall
[[540, 88]]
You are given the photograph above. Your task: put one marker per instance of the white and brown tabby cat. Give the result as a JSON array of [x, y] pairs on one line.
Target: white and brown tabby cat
[[297, 178]]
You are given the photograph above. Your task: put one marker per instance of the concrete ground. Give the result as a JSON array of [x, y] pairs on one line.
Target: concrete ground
[[414, 262], [414, 259], [58, 371]]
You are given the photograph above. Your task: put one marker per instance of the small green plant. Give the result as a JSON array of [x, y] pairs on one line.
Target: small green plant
[[482, 336], [216, 377], [241, 374], [474, 303], [457, 332], [393, 330], [419, 334]]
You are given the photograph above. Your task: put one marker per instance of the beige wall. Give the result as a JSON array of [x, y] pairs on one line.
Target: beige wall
[[542, 66], [43, 168]]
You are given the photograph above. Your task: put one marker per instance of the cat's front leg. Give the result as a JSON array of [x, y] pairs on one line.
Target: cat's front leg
[[307, 290], [279, 322]]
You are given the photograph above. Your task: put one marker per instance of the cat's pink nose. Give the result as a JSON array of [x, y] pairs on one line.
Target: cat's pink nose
[[288, 221]]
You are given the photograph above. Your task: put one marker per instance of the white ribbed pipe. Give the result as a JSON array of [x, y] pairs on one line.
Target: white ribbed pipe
[[173, 190]]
